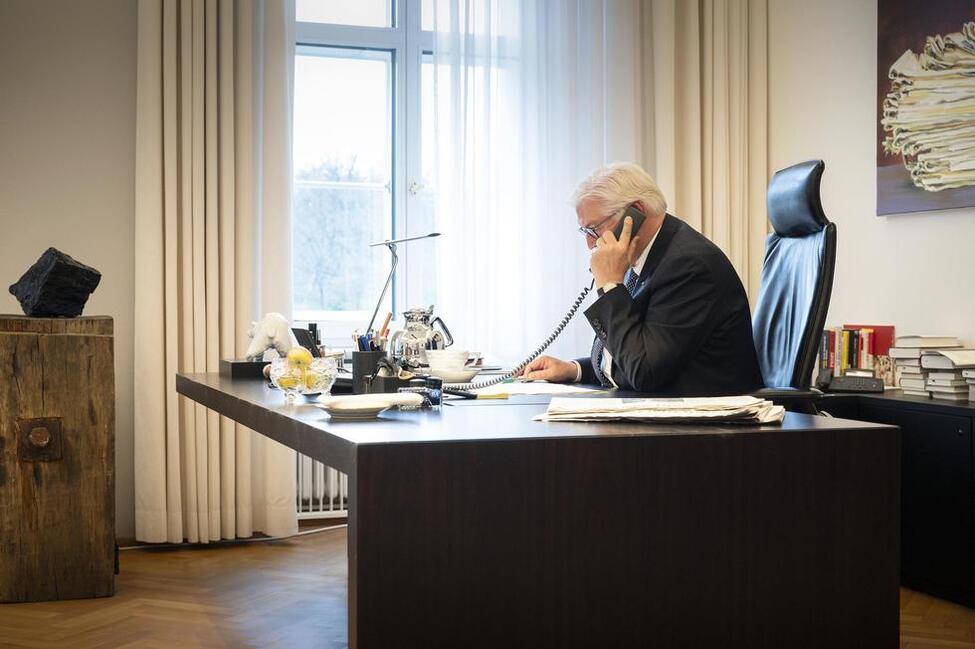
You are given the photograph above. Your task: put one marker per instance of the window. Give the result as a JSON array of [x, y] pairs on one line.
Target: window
[[363, 138]]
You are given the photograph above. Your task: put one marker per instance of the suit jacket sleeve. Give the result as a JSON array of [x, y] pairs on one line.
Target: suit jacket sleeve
[[650, 344]]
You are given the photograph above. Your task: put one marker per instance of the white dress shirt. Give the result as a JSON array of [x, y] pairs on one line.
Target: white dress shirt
[[607, 364]]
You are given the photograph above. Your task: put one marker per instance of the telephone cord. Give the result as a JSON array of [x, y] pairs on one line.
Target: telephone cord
[[535, 354]]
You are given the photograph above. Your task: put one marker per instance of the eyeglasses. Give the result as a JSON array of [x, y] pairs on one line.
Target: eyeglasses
[[590, 230]]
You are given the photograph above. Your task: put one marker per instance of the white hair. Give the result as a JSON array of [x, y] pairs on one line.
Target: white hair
[[618, 184]]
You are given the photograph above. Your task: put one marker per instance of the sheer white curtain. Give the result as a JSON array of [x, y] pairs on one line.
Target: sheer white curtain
[[213, 179], [531, 96]]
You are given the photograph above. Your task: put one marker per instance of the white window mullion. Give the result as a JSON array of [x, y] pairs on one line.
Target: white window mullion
[[411, 23], [400, 152]]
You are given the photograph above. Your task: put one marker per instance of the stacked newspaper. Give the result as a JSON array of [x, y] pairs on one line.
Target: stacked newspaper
[[696, 410]]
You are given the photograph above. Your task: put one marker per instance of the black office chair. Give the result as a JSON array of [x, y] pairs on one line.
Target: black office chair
[[797, 280]]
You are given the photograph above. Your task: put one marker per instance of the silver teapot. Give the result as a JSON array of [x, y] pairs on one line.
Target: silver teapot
[[419, 334]]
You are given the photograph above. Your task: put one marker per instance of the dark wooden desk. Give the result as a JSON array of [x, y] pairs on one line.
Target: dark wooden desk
[[474, 526]]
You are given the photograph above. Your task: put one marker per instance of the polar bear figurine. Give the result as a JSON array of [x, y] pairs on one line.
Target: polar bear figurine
[[272, 332]]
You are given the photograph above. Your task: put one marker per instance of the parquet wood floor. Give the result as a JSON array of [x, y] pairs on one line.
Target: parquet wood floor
[[288, 594]]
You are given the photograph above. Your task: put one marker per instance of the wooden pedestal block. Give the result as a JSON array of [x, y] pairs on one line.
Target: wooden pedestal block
[[57, 458]]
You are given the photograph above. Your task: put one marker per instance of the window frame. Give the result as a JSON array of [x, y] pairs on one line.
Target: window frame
[[407, 43]]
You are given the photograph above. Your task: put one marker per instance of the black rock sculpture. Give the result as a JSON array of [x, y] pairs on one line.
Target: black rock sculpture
[[56, 285]]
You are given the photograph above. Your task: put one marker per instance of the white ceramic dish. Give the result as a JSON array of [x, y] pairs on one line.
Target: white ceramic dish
[[340, 410], [363, 407], [456, 375]]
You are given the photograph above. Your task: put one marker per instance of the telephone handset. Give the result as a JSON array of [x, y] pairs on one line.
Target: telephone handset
[[634, 213], [638, 219]]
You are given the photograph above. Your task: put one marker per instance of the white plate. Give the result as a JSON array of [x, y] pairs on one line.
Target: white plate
[[363, 407], [355, 410], [456, 375]]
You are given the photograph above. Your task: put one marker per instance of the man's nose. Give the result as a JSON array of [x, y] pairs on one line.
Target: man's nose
[[590, 241]]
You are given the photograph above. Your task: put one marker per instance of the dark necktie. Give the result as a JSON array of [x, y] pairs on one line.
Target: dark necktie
[[596, 356]]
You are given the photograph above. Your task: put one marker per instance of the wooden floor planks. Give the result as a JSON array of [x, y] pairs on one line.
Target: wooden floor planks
[[284, 594]]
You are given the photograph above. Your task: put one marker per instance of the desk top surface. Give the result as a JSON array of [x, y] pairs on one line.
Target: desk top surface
[[253, 403]]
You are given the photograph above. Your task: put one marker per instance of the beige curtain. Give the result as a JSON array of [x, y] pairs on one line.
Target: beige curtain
[[213, 183], [709, 120]]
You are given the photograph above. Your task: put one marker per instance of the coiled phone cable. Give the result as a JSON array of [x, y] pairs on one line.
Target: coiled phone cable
[[535, 354]]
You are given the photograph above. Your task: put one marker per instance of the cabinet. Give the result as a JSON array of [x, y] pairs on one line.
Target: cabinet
[[936, 495], [937, 487]]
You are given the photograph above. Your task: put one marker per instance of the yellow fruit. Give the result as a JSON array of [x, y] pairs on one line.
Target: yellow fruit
[[299, 357], [287, 382], [312, 380]]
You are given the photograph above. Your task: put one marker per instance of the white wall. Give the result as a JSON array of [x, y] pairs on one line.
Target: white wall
[[913, 270], [67, 151]]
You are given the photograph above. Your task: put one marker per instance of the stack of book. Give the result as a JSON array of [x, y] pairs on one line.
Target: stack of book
[[946, 372], [906, 353], [854, 346], [969, 376]]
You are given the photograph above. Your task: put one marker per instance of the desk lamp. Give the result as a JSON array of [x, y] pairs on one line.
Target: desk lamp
[[391, 244]]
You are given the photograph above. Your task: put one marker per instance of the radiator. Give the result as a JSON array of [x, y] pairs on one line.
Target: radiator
[[322, 491]]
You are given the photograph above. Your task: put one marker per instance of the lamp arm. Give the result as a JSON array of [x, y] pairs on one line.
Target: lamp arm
[[389, 280]]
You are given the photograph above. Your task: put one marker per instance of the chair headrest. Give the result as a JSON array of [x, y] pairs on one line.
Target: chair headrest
[[794, 206]]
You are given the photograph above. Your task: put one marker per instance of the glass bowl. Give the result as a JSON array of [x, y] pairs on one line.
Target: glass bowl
[[315, 378]]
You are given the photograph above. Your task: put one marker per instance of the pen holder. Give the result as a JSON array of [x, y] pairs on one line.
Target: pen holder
[[385, 384], [364, 364]]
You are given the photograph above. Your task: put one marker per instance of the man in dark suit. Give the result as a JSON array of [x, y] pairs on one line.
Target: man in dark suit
[[672, 317]]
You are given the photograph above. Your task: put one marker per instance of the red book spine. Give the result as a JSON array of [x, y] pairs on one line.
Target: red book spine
[[832, 349]]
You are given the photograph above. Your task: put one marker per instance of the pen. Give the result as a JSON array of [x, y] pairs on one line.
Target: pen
[[460, 393]]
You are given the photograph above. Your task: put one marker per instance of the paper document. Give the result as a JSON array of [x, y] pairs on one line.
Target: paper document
[[717, 410], [535, 387]]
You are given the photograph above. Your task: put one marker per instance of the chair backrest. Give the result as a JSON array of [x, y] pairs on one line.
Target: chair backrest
[[797, 278]]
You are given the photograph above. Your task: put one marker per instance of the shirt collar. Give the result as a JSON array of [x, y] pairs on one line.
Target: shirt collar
[[642, 259]]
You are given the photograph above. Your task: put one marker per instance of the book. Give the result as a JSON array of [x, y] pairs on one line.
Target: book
[[881, 337], [968, 374], [945, 383], [961, 396], [917, 393], [845, 353], [946, 376], [949, 389], [898, 353], [908, 362], [948, 358], [914, 384], [971, 393], [926, 341], [909, 369]]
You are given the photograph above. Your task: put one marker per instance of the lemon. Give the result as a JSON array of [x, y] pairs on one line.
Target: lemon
[[299, 357], [312, 380], [287, 382]]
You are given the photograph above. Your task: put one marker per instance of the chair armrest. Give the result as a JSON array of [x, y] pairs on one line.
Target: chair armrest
[[792, 399]]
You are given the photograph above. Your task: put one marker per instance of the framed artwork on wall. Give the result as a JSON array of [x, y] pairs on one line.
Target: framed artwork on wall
[[926, 105]]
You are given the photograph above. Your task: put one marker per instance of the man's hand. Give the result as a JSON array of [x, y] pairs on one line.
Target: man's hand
[[612, 258], [550, 369]]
